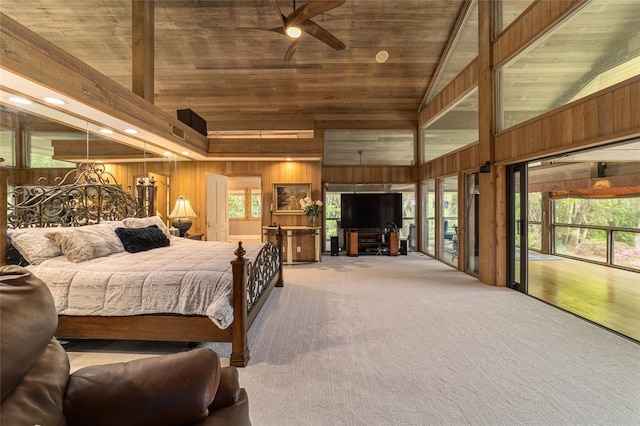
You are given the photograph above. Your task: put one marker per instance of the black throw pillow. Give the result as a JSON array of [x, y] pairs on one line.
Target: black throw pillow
[[135, 240]]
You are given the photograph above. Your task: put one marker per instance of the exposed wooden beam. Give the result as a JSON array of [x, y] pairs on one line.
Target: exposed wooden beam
[[605, 186], [232, 147], [74, 150], [492, 233], [142, 23]]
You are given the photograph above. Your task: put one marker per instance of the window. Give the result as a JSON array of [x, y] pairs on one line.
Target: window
[[456, 128], [331, 211], [582, 231], [369, 147], [471, 224], [245, 204], [256, 203], [534, 221], [449, 220], [236, 204], [429, 217], [408, 216], [461, 52], [508, 11], [595, 49], [8, 146], [40, 152]]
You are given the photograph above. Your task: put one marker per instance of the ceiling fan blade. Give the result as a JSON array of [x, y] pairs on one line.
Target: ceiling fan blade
[[279, 30], [274, 3], [291, 50], [309, 10], [321, 34]]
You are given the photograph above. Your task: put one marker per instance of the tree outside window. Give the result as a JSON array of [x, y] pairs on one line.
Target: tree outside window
[[245, 203]]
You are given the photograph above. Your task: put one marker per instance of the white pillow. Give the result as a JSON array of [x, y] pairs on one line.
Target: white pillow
[[143, 222], [87, 242], [113, 223], [33, 245]]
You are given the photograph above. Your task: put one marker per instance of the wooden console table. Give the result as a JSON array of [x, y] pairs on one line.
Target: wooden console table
[[372, 241], [291, 232]]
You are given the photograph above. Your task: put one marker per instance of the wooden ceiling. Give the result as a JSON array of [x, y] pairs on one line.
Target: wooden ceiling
[[237, 79]]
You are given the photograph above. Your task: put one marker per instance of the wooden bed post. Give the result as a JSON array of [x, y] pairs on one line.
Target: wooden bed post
[[4, 173], [239, 344], [279, 238]]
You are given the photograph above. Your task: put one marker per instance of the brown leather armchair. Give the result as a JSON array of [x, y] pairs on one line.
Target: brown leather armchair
[[187, 388]]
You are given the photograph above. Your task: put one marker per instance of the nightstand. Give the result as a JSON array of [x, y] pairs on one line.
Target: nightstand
[[194, 236]]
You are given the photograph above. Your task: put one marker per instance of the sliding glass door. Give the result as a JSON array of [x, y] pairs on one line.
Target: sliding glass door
[[428, 237], [517, 226], [448, 248]]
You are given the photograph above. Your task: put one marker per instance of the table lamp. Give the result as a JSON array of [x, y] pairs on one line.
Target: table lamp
[[182, 212]]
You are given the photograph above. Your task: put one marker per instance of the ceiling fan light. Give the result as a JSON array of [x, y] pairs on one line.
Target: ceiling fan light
[[294, 32]]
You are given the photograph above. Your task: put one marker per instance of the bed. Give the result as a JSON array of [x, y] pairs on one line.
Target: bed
[[116, 273]]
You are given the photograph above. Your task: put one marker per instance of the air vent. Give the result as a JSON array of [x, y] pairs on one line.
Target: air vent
[[177, 132]]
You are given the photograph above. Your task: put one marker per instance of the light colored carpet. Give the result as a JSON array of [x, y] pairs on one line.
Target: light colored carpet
[[410, 341]]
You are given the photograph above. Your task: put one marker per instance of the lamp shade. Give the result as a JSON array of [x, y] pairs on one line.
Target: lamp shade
[[182, 209]]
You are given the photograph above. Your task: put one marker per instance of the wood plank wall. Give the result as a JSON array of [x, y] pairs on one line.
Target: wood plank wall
[[273, 147], [369, 174], [608, 115], [189, 179], [25, 176]]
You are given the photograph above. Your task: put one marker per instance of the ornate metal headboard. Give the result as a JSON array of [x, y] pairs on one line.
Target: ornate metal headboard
[[86, 195]]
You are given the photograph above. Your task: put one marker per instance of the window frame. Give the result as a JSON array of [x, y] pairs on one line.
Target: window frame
[[247, 193]]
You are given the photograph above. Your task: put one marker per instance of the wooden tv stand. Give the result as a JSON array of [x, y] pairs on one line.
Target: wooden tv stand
[[372, 241]]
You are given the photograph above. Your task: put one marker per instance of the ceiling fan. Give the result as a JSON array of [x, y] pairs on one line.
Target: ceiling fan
[[300, 20]]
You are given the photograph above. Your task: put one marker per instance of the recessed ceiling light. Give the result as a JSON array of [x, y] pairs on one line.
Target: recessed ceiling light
[[106, 131], [131, 131], [21, 101], [382, 56], [54, 101], [288, 159], [167, 154], [185, 152]]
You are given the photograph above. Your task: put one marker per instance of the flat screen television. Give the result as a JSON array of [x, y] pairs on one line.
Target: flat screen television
[[370, 210]]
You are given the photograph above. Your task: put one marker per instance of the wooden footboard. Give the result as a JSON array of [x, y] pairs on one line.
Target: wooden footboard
[[165, 328], [255, 281]]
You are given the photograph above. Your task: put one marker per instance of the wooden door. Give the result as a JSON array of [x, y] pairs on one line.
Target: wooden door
[[217, 208]]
